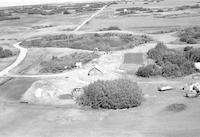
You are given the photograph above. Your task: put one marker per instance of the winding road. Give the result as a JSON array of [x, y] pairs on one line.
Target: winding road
[[23, 53], [20, 58]]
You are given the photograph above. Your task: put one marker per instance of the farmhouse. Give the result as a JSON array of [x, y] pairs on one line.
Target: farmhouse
[[96, 70]]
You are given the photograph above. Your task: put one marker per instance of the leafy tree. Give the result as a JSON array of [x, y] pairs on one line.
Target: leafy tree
[[5, 53], [171, 70], [159, 51], [114, 94], [149, 70]]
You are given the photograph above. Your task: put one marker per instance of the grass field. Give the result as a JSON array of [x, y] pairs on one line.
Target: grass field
[[146, 20]]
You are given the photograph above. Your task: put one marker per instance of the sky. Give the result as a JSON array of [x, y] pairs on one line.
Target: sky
[[5, 3]]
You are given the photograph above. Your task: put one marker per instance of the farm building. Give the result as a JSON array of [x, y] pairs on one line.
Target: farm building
[[96, 70]]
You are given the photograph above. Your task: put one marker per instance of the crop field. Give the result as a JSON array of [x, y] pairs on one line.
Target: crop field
[[134, 58]]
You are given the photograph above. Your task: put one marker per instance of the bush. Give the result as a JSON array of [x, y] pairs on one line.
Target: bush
[[176, 107], [61, 64], [197, 35], [158, 52], [160, 10], [174, 59], [114, 94], [110, 28], [190, 35], [5, 53], [193, 55], [187, 68], [191, 41], [149, 70], [187, 48], [66, 12], [172, 63], [104, 42], [171, 70]]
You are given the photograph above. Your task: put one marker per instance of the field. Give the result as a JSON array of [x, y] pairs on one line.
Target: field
[[146, 21], [121, 41]]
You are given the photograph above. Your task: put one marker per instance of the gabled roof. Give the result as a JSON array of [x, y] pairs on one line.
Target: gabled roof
[[98, 68]]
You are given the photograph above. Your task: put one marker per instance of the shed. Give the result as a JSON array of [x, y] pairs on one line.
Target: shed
[[96, 70]]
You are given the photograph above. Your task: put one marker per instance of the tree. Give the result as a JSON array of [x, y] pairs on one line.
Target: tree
[[5, 53], [159, 51], [114, 94], [66, 12], [149, 70], [171, 70]]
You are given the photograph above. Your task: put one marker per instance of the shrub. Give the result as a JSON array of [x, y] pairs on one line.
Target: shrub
[[66, 12], [149, 70], [61, 64], [197, 35], [171, 70], [190, 35], [174, 59], [158, 52], [104, 42], [160, 10], [191, 41], [193, 55], [5, 53], [114, 94], [111, 28], [187, 48], [172, 63], [187, 68], [176, 107]]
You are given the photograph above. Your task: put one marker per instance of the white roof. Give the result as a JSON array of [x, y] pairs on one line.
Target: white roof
[[99, 68], [197, 65]]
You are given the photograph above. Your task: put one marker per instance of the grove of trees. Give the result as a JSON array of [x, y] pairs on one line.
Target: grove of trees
[[170, 63], [113, 94], [5, 53]]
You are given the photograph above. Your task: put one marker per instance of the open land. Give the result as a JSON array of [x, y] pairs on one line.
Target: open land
[[121, 52]]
